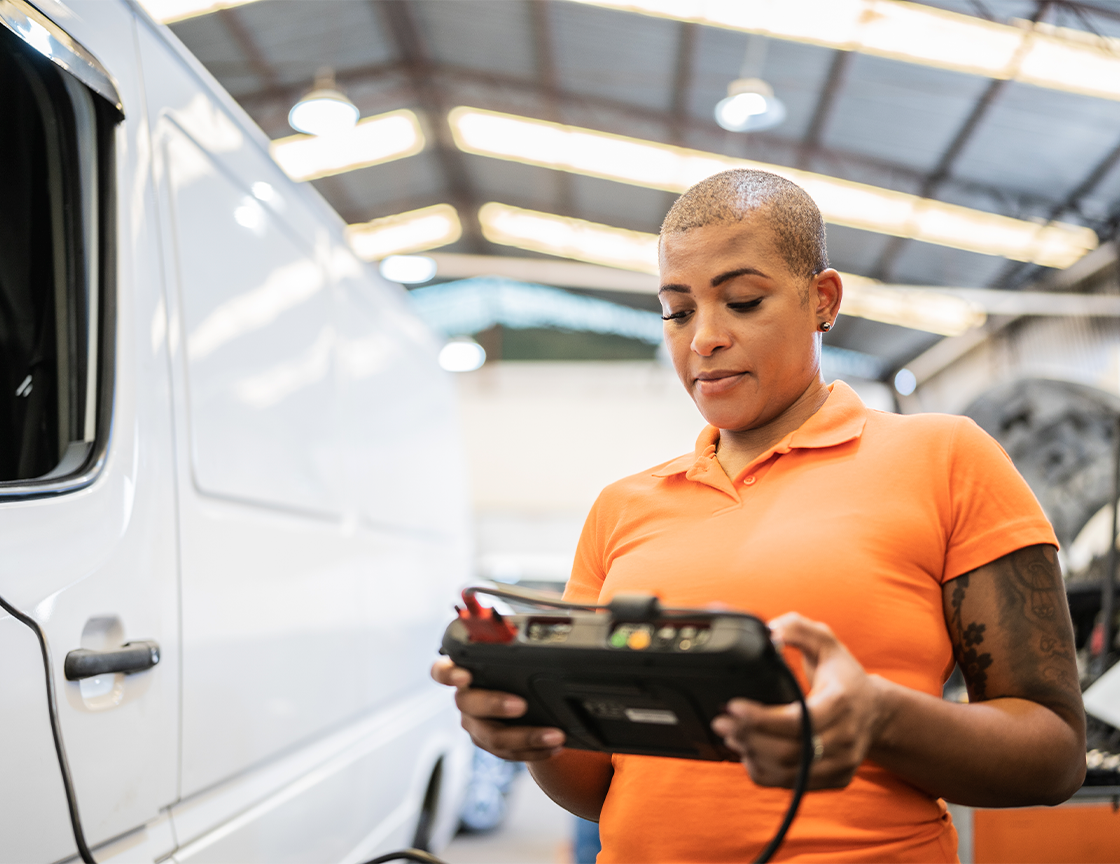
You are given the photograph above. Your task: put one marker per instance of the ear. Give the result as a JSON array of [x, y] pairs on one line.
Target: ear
[[827, 291]]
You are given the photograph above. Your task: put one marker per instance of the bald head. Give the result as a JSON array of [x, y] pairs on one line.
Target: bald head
[[731, 196]]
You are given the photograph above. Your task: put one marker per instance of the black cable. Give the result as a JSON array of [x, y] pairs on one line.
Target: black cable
[[807, 749], [407, 855], [523, 595], [56, 730], [802, 781], [419, 855]]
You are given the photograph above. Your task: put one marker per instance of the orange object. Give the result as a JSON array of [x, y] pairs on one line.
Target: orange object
[[1075, 833], [855, 519], [639, 640]]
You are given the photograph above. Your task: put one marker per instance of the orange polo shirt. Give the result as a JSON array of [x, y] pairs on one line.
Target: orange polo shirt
[[855, 519]]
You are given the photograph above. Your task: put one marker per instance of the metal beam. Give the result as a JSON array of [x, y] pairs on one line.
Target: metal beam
[[818, 126], [859, 163], [1017, 273], [951, 153], [682, 81], [548, 81], [401, 26], [275, 92]]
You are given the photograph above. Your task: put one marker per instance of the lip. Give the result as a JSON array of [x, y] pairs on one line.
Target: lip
[[718, 381]]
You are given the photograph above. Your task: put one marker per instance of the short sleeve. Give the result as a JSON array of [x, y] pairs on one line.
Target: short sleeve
[[993, 511], [588, 574]]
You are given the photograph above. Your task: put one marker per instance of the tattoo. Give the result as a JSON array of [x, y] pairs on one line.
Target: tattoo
[[1011, 631], [973, 664], [1031, 603]]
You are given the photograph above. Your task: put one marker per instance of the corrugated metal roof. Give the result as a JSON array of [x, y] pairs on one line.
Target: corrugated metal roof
[[1008, 148]]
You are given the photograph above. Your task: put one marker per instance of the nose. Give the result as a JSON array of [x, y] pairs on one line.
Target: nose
[[710, 335]]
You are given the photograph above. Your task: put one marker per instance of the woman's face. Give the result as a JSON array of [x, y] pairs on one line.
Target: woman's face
[[741, 328]]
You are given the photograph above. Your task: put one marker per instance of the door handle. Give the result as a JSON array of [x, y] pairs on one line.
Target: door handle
[[130, 657]]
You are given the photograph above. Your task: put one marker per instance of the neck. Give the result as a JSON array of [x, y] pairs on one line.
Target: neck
[[738, 448]]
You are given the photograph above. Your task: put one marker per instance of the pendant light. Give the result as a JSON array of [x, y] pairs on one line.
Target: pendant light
[[325, 110], [750, 105]]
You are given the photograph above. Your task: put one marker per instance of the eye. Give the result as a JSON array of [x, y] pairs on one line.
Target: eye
[[676, 316], [745, 306]]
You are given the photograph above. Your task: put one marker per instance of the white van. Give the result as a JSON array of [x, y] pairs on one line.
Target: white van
[[226, 442]]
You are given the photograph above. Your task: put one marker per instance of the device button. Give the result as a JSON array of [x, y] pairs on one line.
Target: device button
[[639, 640], [618, 638]]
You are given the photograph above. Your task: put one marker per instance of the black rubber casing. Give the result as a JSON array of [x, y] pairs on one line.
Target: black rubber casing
[[650, 694]]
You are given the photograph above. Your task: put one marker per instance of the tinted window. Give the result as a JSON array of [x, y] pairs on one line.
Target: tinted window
[[54, 146]]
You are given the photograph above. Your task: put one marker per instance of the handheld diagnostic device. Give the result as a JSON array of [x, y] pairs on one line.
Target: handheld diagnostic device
[[630, 677]]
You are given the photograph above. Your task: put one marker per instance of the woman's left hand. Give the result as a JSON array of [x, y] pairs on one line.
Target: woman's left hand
[[844, 704]]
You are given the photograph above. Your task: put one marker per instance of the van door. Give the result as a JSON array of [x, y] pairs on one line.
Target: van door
[[87, 506], [272, 614]]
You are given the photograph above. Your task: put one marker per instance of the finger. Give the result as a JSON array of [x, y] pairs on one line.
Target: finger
[[775, 752], [520, 743], [780, 720], [446, 672], [489, 703], [811, 638]]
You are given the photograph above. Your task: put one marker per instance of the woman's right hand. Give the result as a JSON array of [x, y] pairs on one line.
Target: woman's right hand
[[481, 710]]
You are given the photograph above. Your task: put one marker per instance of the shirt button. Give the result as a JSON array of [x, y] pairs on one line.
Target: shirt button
[[749, 481]]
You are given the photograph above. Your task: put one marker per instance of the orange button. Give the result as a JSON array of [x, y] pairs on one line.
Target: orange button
[[749, 481], [638, 641]]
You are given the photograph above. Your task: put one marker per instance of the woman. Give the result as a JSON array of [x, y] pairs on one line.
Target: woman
[[887, 547]]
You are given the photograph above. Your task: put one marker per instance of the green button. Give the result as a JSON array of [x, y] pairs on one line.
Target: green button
[[618, 638]]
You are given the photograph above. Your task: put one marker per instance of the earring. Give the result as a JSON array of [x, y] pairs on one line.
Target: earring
[[825, 326]]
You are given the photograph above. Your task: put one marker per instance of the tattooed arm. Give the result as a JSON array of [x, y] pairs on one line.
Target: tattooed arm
[[1021, 738], [1019, 741]]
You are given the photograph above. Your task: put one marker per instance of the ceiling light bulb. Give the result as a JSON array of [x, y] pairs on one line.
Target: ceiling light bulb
[[905, 382], [750, 106], [462, 355], [325, 110], [408, 269]]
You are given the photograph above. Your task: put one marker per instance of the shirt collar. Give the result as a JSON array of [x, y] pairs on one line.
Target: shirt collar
[[840, 419]]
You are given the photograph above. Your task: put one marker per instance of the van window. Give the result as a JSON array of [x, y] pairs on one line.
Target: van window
[[55, 145]]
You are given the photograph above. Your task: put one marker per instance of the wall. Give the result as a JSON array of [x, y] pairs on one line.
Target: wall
[[544, 438]]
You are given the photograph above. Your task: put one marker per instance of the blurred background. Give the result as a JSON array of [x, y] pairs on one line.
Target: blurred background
[[510, 162]]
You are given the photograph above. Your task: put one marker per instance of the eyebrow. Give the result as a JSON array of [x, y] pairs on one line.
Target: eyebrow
[[716, 281]]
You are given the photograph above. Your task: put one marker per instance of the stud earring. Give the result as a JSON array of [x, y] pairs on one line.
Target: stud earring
[[825, 326]]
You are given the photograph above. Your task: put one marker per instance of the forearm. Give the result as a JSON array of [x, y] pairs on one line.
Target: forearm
[[1003, 752], [577, 780]]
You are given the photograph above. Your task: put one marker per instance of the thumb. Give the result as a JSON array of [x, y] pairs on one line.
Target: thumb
[[812, 638]]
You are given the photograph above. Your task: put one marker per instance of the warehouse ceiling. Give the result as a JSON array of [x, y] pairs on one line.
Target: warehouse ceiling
[[986, 143]]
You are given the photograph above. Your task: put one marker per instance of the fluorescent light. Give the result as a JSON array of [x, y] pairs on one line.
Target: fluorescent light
[[413, 231], [568, 238], [918, 308], [169, 11], [842, 202], [377, 139], [408, 269], [1054, 57], [462, 355]]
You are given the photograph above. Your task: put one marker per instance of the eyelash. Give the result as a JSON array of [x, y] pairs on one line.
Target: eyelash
[[737, 307]]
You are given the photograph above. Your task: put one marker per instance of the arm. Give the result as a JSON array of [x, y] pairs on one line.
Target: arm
[[1020, 740], [577, 780]]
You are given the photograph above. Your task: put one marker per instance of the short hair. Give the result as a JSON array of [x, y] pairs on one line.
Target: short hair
[[731, 196]]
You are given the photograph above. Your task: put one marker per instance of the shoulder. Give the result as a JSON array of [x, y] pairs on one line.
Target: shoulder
[[935, 432]]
